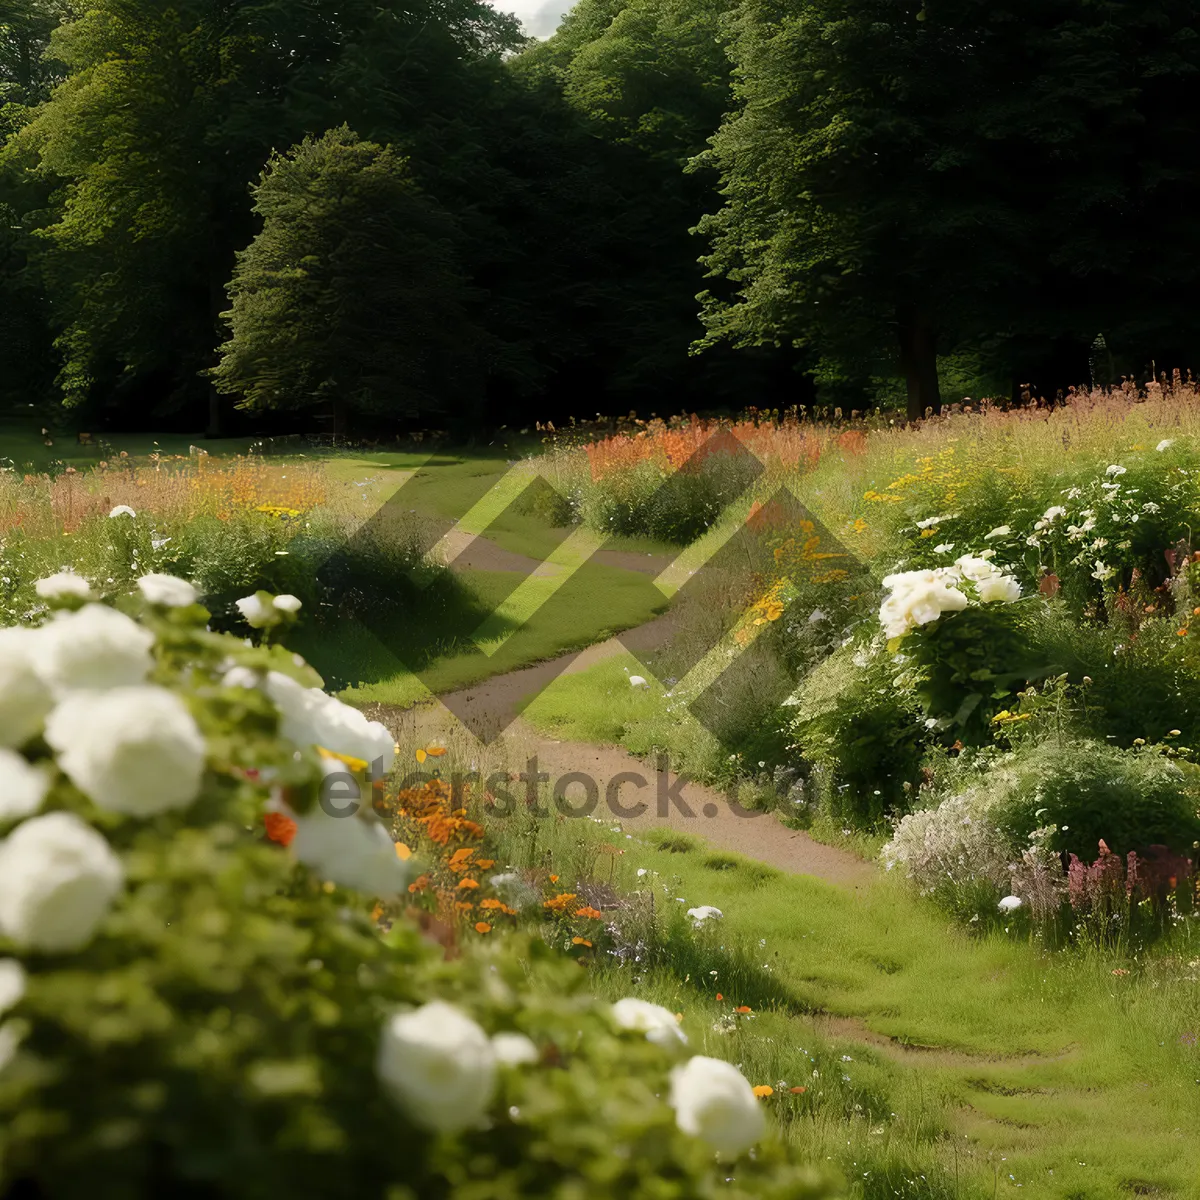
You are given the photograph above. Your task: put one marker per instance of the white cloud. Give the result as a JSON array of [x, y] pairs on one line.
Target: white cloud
[[539, 17]]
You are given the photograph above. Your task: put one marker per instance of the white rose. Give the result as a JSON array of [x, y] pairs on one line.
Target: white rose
[[918, 598], [1001, 589], [706, 912], [168, 591], [96, 647], [514, 1049], [132, 750], [713, 1101], [58, 879], [657, 1023], [439, 1065], [25, 698], [122, 510], [311, 718], [352, 850], [257, 612], [999, 532], [66, 585], [976, 569], [22, 787], [12, 983]]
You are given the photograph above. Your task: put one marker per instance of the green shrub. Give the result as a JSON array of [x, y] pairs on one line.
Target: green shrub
[[855, 720], [190, 1009], [1090, 791]]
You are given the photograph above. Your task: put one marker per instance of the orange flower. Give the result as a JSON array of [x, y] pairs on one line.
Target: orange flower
[[419, 884], [280, 829], [463, 905], [764, 1089], [553, 878], [797, 1090], [485, 864], [559, 903], [578, 941], [482, 927], [745, 1008], [468, 883], [719, 996], [402, 851], [592, 914]]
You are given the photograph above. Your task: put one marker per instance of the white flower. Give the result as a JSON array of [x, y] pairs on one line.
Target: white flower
[[514, 1049], [350, 849], [999, 532], [1103, 572], [817, 616], [134, 750], [311, 718], [1115, 470], [976, 569], [12, 983], [918, 597], [159, 543], [1165, 444], [1002, 589], [122, 510], [714, 1102], [1052, 514], [66, 585], [241, 677], [58, 878], [168, 591], [944, 548], [1010, 904], [25, 698], [439, 1065], [95, 647], [706, 912], [257, 612], [287, 604], [930, 522], [657, 1023], [22, 787]]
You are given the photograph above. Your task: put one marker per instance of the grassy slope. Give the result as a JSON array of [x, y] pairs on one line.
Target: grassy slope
[[1010, 1066]]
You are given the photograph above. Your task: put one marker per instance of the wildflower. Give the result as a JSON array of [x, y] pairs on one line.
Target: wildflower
[[1103, 572], [1010, 904], [714, 1102], [167, 591], [122, 510], [58, 879], [657, 1023], [514, 1049], [25, 698], [468, 884], [482, 927], [744, 1009], [281, 829], [439, 1065], [762, 1090], [1115, 470], [134, 750], [66, 585], [999, 532], [580, 941], [719, 996], [560, 902], [705, 912], [944, 548], [797, 1090], [93, 648], [1165, 444], [589, 913]]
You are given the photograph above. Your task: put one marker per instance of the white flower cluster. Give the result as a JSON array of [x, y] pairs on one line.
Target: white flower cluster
[[921, 597], [441, 1067], [80, 682]]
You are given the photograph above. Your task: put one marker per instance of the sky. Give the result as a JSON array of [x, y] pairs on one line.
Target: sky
[[540, 17]]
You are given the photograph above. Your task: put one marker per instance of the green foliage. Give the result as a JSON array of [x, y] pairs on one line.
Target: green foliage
[[852, 719], [218, 1034], [350, 296], [1090, 791]]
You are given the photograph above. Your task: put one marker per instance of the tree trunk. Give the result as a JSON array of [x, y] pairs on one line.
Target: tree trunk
[[918, 360]]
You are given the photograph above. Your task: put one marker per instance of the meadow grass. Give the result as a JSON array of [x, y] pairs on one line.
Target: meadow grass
[[974, 1064]]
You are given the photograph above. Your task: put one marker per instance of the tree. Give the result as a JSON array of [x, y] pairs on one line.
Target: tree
[[948, 173], [351, 295], [163, 124]]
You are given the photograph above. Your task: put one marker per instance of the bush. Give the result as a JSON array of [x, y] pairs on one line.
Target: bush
[[1131, 800], [190, 1009], [853, 719]]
